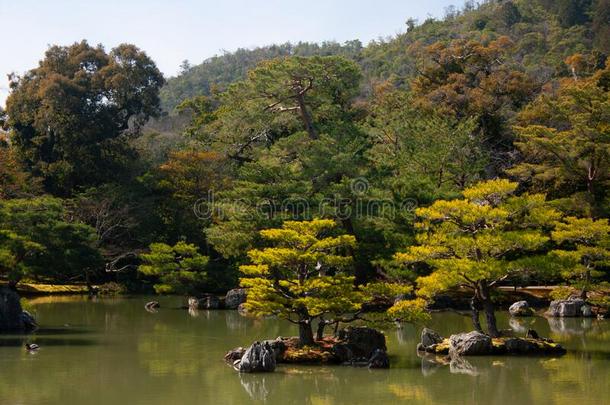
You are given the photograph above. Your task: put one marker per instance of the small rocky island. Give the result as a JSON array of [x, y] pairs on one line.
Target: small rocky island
[[354, 346]]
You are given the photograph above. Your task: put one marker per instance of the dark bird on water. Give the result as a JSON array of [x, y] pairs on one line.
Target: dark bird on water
[[31, 347]]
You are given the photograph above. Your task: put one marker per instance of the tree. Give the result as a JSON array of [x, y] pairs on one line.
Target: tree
[[14, 180], [565, 141], [72, 116], [467, 78], [586, 252], [479, 241], [42, 243], [178, 269], [304, 276]]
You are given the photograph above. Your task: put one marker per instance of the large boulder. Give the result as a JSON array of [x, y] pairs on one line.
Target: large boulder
[[428, 339], [259, 357], [12, 316], [234, 354], [520, 308], [362, 341], [235, 297], [470, 344], [572, 307]]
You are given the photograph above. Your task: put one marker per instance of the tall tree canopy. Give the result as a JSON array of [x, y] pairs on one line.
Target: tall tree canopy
[[72, 116]]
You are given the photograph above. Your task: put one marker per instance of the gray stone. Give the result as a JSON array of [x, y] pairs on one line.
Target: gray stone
[[520, 308], [469, 344], [428, 338], [278, 346], [571, 307], [379, 359], [235, 298], [258, 358]]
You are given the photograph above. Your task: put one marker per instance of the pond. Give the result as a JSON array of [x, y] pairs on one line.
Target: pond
[[111, 351]]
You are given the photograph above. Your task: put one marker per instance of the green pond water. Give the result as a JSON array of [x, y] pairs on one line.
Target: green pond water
[[111, 351]]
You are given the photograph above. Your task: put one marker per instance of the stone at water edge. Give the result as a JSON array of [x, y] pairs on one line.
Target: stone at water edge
[[520, 308], [207, 302], [234, 355], [470, 344], [259, 357], [152, 305], [235, 298], [12, 316], [379, 359], [363, 341], [572, 307], [428, 338]]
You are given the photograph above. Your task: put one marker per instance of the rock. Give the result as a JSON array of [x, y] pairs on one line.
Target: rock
[[362, 341], [379, 359], [521, 346], [235, 298], [235, 354], [571, 307], [532, 334], [28, 321], [152, 305], [242, 310], [278, 346], [258, 358], [343, 352], [428, 338], [469, 344], [12, 316], [207, 302], [520, 308]]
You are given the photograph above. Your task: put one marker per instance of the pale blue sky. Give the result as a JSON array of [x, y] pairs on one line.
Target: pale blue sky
[[171, 31]]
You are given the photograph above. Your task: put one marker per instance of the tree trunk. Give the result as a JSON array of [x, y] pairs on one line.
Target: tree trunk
[[488, 306], [474, 307], [320, 331], [305, 333], [306, 117]]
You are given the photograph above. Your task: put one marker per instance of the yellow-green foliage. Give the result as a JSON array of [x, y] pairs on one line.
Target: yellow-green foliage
[[410, 311], [176, 269], [586, 244], [488, 235], [304, 275]]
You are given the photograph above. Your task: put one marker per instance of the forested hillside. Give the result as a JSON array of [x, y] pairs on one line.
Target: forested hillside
[[544, 33], [489, 128]]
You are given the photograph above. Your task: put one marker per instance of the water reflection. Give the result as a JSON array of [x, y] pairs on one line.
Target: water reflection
[[119, 353]]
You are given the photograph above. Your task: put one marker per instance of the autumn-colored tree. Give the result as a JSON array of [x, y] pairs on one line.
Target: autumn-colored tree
[[479, 241], [565, 141], [178, 269], [467, 78]]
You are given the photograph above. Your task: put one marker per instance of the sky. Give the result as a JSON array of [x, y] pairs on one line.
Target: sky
[[171, 31]]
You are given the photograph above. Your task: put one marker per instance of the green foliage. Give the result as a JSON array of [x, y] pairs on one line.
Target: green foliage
[[480, 240], [178, 269], [37, 241], [304, 276], [73, 115], [586, 251], [565, 140]]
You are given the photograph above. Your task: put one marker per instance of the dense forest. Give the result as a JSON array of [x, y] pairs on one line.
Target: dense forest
[[469, 151]]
